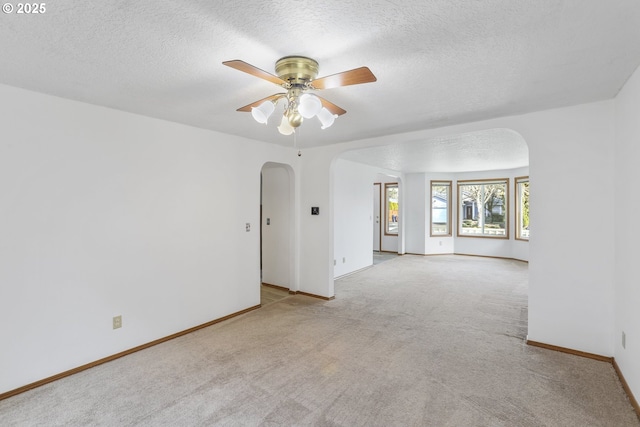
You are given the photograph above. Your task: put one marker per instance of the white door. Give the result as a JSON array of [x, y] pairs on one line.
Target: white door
[[376, 217]]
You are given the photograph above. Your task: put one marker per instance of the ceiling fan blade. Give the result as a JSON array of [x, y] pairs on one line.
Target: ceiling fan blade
[[346, 78], [247, 108], [333, 108], [254, 71]]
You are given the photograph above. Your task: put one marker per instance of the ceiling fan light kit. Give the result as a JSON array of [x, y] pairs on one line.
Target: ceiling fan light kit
[[297, 74]]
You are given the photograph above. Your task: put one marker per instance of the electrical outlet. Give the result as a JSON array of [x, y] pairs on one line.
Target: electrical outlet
[[334, 262], [117, 322], [344, 260], [624, 340]]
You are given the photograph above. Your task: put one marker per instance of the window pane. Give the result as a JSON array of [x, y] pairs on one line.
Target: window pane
[[440, 210], [522, 208], [391, 191], [483, 208]]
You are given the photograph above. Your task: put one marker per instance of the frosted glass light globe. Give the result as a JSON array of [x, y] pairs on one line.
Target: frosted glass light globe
[[309, 105], [285, 128], [326, 118], [262, 112]]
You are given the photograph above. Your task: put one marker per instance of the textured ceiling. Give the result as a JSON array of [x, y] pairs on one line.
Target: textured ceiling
[[437, 62], [479, 151]]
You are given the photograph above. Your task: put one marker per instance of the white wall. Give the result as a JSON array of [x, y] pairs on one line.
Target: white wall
[[627, 207], [415, 221], [315, 245], [353, 216], [276, 225], [571, 264], [107, 213]]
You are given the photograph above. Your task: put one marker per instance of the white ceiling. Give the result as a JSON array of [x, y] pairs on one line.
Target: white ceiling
[[437, 62], [492, 149]]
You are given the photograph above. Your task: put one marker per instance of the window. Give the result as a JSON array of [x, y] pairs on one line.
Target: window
[[391, 202], [522, 208], [483, 208], [440, 208]]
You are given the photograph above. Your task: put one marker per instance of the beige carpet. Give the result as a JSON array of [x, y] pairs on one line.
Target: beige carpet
[[270, 294], [415, 341]]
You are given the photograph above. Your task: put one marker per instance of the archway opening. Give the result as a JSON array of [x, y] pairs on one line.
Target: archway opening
[[276, 231]]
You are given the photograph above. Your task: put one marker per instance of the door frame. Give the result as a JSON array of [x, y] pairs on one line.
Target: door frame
[[379, 184], [291, 230]]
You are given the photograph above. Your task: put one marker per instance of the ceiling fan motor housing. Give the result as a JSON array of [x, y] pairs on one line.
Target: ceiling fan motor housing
[[297, 70]]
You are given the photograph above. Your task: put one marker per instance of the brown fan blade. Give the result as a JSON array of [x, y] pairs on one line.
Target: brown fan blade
[[247, 108], [333, 108], [346, 78], [254, 71]]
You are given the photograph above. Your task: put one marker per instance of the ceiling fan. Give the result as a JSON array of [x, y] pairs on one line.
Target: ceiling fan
[[297, 75]]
